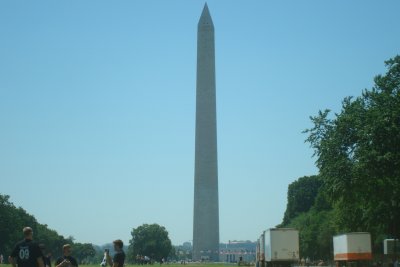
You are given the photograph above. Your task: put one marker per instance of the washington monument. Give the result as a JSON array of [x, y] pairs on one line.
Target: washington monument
[[206, 214]]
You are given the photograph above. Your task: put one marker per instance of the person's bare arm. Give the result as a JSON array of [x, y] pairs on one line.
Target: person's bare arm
[[40, 262], [64, 263], [109, 260], [12, 261]]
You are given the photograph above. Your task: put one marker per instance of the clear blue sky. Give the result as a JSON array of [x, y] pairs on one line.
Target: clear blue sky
[[97, 105]]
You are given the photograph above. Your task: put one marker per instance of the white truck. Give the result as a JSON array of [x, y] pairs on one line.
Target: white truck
[[352, 249], [281, 247], [261, 254]]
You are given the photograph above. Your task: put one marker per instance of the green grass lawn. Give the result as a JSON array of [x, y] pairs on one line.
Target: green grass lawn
[[158, 265], [174, 265]]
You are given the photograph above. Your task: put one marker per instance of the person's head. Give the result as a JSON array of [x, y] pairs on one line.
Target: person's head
[[42, 248], [67, 249], [28, 233], [118, 244]]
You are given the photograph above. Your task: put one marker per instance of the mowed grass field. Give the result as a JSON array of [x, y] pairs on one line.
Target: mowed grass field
[[158, 265]]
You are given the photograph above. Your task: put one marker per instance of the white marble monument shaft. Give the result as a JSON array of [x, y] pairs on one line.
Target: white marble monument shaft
[[206, 214]]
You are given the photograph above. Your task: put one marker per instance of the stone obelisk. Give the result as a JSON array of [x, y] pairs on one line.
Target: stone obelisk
[[206, 214]]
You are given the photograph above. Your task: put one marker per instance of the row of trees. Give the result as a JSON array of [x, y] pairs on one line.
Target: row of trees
[[149, 239], [13, 219], [358, 156]]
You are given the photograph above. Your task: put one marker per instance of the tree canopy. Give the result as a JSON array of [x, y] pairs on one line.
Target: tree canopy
[[150, 240], [358, 156], [84, 252], [301, 196], [309, 211]]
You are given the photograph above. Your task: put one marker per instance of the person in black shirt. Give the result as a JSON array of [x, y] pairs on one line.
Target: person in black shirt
[[119, 257], [27, 253], [66, 260], [46, 258]]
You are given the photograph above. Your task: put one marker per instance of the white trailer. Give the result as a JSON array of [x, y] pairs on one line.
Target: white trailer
[[281, 247], [352, 249], [262, 245], [262, 249], [258, 253]]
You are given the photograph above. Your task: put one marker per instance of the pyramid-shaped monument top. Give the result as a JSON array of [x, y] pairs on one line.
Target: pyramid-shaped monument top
[[205, 18]]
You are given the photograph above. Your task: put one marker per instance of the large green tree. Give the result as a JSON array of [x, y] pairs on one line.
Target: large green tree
[[358, 156], [309, 211], [301, 196], [84, 252], [316, 229], [150, 240]]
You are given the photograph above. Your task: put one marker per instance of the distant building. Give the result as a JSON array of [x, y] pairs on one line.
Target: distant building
[[187, 245], [234, 251], [228, 252]]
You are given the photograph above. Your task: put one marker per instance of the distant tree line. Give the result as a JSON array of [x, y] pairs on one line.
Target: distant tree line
[[13, 219], [358, 156], [149, 240]]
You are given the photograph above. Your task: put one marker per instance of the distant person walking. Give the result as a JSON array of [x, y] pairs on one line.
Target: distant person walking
[[27, 253], [104, 261], [119, 256], [66, 260]]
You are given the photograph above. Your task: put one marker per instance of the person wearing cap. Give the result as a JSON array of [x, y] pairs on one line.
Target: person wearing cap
[[27, 253], [66, 260], [119, 256]]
